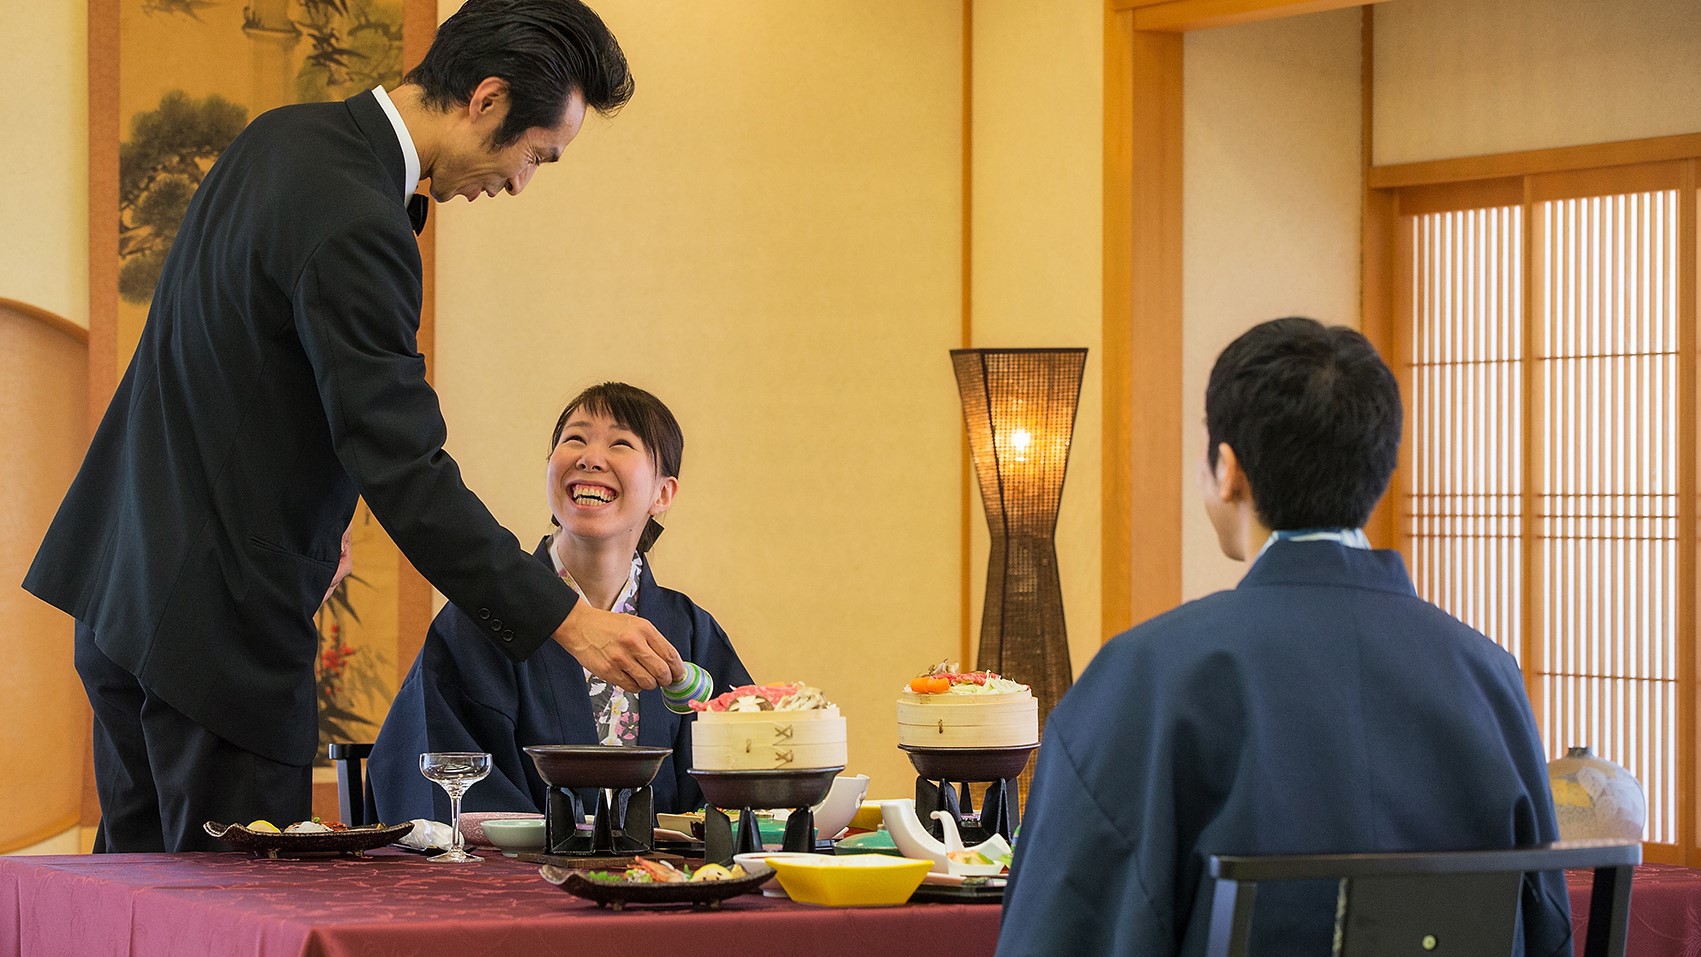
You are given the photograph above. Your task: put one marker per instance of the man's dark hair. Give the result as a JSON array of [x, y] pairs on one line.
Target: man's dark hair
[[646, 416], [1313, 416], [545, 49]]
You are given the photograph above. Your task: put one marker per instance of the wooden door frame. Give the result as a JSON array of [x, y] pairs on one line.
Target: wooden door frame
[[1141, 477]]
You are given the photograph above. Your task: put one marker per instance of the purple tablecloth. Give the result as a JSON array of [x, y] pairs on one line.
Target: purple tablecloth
[[1665, 910], [395, 905]]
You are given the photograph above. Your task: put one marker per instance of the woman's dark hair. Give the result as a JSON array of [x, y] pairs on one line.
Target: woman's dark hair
[[646, 417], [1313, 416], [545, 49]]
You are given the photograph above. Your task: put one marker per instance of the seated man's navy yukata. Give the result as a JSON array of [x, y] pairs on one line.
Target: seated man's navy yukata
[[1321, 706]]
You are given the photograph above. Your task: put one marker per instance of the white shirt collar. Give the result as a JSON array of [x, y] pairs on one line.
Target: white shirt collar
[[410, 153]]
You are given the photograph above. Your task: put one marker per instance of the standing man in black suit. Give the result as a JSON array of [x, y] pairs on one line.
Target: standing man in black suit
[[278, 379]]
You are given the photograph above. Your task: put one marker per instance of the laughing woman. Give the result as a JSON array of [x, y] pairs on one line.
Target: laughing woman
[[613, 467]]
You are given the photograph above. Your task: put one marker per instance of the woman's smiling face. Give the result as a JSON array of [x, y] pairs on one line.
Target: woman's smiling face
[[603, 481]]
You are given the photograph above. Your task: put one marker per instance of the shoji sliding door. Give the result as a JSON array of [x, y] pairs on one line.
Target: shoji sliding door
[[1606, 455], [1548, 492]]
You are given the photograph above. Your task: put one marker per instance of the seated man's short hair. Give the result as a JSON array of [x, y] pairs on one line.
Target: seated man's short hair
[[1313, 415]]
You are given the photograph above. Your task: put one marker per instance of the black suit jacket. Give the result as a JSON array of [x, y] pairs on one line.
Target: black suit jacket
[[277, 379]]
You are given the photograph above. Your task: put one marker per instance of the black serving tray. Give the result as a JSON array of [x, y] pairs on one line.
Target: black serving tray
[[958, 894]]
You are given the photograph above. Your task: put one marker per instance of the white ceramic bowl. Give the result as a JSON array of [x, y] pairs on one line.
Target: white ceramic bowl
[[834, 813], [517, 834], [770, 887]]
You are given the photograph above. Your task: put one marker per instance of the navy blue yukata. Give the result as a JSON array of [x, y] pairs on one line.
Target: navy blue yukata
[[1320, 706], [463, 694]]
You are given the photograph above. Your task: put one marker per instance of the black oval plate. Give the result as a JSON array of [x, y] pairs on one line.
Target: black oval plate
[[617, 895], [958, 894], [317, 844]]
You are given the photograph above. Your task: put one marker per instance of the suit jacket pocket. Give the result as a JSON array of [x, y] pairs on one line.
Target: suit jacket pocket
[[272, 546], [290, 583]]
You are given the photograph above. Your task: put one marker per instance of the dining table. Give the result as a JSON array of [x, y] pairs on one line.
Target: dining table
[[1665, 910], [398, 904]]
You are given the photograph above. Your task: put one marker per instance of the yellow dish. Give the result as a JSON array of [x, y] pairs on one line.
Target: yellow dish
[[861, 881], [868, 816]]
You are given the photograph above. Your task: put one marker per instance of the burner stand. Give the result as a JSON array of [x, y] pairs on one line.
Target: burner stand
[[624, 823], [798, 789], [720, 842], [943, 785], [624, 820]]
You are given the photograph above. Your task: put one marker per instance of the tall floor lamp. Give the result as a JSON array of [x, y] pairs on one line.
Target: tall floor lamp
[[1019, 408]]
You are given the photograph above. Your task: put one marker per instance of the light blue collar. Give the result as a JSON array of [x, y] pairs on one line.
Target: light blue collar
[[1350, 537]]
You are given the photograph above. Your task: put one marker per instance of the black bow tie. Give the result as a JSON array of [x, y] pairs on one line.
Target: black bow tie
[[419, 207]]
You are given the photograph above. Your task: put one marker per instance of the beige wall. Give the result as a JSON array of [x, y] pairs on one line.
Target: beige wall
[[768, 237], [44, 257], [1270, 211], [44, 249], [1465, 77], [1037, 233], [43, 405]]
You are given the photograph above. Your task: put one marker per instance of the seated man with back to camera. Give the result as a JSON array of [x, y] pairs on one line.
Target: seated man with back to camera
[[613, 467], [1321, 706]]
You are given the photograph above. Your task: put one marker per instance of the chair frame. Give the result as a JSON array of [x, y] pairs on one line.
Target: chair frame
[[1613, 862], [351, 787]]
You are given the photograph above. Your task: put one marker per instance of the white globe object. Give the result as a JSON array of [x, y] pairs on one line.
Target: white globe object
[[1595, 798]]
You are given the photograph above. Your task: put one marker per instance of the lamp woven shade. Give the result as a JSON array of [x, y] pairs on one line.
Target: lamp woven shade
[[1019, 409]]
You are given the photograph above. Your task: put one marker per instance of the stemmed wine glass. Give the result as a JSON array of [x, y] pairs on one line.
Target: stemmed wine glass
[[456, 771]]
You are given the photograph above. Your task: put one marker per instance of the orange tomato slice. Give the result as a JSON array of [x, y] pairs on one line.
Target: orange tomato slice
[[927, 684]]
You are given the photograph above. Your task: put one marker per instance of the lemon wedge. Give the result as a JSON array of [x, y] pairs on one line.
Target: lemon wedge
[[263, 825], [711, 872]]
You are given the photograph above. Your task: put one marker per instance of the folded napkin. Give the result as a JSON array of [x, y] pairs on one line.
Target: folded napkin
[[426, 835]]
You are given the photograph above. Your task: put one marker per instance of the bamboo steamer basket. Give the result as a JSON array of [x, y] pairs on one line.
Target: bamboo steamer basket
[[967, 721], [768, 740]]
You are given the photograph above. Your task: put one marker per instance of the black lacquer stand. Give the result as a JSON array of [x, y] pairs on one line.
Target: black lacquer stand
[[797, 788], [942, 784], [720, 842], [1000, 809], [633, 810]]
